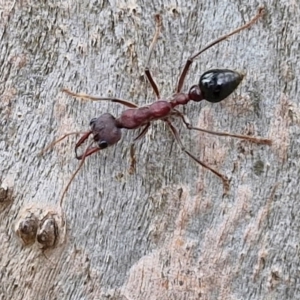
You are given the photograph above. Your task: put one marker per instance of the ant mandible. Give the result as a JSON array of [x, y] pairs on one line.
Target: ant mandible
[[214, 86]]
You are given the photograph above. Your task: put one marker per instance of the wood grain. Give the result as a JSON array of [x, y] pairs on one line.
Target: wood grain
[[164, 231]]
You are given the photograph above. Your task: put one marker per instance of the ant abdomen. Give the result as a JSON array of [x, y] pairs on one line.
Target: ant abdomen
[[217, 84]]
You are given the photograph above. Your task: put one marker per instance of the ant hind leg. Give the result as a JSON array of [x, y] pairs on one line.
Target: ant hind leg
[[188, 63], [252, 139], [178, 140]]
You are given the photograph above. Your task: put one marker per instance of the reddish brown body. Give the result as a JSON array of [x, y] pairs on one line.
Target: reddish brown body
[[214, 86], [137, 117]]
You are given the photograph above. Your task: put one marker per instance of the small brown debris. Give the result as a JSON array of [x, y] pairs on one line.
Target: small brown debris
[[26, 229], [47, 232]]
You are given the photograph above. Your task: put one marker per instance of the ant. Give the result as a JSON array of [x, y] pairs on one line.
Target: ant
[[214, 86]]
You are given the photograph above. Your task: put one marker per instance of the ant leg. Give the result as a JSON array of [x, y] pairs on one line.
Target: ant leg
[[218, 40], [253, 139], [132, 150], [178, 140], [93, 98], [132, 160], [144, 131], [147, 71]]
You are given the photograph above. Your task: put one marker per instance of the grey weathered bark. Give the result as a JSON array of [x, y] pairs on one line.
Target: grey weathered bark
[[166, 231]]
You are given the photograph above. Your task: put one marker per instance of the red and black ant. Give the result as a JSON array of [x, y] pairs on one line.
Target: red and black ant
[[214, 86]]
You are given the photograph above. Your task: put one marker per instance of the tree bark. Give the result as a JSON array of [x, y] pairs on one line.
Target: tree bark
[[162, 228]]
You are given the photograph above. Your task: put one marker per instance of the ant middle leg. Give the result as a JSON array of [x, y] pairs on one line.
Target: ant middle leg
[[147, 71], [158, 21]]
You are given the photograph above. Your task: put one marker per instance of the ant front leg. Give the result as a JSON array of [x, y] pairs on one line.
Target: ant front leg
[[144, 131], [147, 71], [218, 40], [94, 98], [141, 134]]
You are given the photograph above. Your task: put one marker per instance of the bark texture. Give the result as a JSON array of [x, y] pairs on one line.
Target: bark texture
[[164, 231]]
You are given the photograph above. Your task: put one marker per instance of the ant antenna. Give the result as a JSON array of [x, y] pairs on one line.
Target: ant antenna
[[57, 141]]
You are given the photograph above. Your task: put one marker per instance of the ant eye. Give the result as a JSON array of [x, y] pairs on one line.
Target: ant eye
[[103, 144], [216, 85], [93, 121]]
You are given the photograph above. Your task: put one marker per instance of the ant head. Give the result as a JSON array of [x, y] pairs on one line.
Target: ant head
[[105, 130], [217, 84]]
